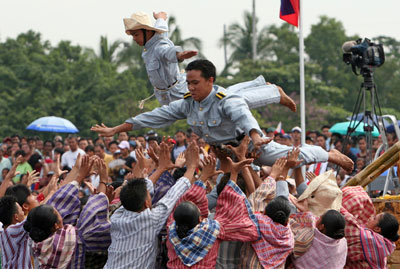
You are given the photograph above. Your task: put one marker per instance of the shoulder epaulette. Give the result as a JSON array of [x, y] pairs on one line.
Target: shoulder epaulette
[[187, 95], [220, 95]]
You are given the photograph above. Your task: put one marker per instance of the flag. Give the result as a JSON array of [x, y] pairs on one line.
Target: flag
[[279, 129], [290, 11]]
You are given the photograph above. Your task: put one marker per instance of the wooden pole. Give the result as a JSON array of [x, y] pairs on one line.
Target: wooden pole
[[377, 167]]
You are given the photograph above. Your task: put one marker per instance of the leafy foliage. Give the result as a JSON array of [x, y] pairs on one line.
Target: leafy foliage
[[38, 79]]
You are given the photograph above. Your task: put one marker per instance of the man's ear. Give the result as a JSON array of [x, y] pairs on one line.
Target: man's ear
[[320, 227], [377, 229], [16, 218], [25, 207], [147, 203]]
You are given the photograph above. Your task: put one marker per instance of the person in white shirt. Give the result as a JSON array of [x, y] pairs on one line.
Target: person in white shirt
[[69, 157]]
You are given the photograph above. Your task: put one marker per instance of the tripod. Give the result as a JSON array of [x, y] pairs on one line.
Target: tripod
[[371, 115]]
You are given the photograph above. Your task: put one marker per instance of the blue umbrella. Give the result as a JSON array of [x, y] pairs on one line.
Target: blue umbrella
[[390, 128], [360, 116], [52, 124], [341, 128]]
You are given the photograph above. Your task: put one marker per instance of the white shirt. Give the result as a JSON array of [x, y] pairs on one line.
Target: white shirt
[[69, 157]]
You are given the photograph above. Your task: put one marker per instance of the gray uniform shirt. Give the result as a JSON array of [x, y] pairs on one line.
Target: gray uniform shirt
[[159, 56], [217, 120]]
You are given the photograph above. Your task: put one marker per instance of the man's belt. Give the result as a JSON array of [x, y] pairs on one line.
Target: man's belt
[[169, 87]]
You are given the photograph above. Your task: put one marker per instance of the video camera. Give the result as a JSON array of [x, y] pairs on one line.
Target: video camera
[[365, 55]]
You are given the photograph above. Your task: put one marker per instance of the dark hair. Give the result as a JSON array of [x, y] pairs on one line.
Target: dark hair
[[82, 139], [89, 148], [324, 136], [20, 152], [224, 180], [40, 222], [7, 209], [49, 141], [178, 173], [186, 216], [151, 138], [180, 131], [278, 210], [59, 151], [133, 195], [325, 126], [206, 68], [334, 223], [113, 142], [100, 146], [389, 227], [20, 192]]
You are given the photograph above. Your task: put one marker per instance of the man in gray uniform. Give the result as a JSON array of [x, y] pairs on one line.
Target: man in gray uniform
[[219, 117]]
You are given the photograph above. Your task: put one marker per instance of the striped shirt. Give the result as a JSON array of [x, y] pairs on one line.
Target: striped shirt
[[322, 251], [357, 208], [134, 235], [234, 215], [15, 247]]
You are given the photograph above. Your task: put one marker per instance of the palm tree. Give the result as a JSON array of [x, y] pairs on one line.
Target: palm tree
[[175, 34], [108, 53], [239, 39]]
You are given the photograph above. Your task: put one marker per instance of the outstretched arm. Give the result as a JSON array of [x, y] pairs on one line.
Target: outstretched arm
[[157, 118]]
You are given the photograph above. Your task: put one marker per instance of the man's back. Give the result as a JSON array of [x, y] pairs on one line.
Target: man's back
[[134, 234]]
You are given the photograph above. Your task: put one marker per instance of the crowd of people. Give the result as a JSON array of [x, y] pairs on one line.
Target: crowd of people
[[144, 202], [223, 194]]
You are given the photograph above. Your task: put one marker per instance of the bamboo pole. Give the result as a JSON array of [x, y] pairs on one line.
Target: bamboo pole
[[377, 167]]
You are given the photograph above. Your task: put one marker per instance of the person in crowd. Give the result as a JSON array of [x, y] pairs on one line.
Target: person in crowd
[[61, 232], [69, 157], [83, 143], [137, 222], [319, 243], [5, 163], [180, 146], [370, 237], [194, 239], [296, 136]]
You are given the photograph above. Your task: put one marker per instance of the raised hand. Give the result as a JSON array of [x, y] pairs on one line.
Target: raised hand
[[310, 176], [237, 167], [153, 155], [58, 172], [185, 54], [103, 130], [241, 150], [209, 164], [302, 206], [278, 168], [180, 161], [160, 15], [164, 161], [86, 167], [32, 177], [258, 141], [293, 158], [192, 156]]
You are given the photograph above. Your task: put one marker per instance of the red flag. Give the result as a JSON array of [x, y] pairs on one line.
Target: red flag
[[290, 11]]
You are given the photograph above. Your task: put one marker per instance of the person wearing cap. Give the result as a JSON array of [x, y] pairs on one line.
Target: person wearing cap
[[296, 136], [161, 58], [219, 117], [129, 161]]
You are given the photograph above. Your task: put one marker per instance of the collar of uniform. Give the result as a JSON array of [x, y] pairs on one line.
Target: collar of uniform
[[152, 41], [209, 98]]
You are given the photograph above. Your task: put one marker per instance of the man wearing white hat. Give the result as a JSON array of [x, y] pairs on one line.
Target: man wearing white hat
[[161, 58], [160, 55]]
